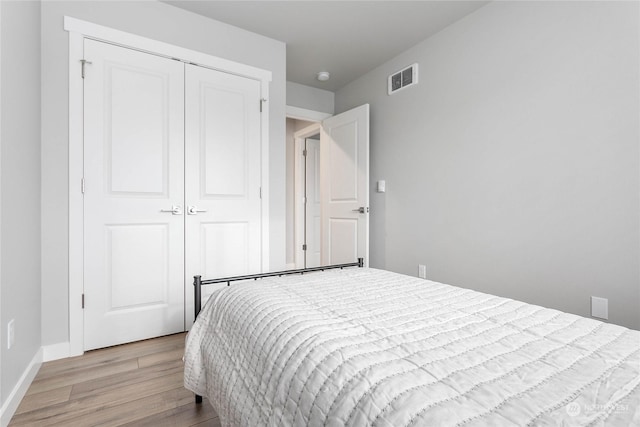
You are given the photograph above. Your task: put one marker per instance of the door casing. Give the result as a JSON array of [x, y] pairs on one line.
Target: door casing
[[299, 179]]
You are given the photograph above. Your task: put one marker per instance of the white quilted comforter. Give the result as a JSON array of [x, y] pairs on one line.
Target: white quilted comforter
[[368, 347]]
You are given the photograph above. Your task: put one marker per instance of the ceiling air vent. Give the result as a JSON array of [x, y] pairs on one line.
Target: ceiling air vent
[[403, 78]]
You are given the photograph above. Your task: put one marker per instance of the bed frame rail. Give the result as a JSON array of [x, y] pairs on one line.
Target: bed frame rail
[[198, 283]]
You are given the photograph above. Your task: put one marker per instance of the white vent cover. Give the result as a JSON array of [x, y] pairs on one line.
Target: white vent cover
[[403, 78]]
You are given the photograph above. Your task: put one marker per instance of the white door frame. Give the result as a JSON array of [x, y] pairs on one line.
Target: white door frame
[[299, 190], [78, 31], [317, 117], [298, 113]]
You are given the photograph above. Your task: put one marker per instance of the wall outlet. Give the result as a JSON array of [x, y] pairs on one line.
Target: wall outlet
[[11, 335], [422, 271], [600, 308]]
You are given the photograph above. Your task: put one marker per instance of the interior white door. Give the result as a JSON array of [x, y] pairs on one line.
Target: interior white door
[[134, 190], [312, 203], [344, 146], [223, 177]]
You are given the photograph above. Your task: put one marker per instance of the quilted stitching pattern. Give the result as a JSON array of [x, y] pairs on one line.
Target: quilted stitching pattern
[[369, 347]]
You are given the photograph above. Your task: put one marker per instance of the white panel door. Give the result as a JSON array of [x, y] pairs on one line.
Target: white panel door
[[344, 142], [134, 175], [223, 177], [312, 203]]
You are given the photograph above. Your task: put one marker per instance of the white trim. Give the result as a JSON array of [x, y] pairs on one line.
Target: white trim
[[78, 31], [12, 401], [298, 205], [55, 351], [304, 114], [264, 187], [298, 191], [109, 35], [2, 325], [76, 205]]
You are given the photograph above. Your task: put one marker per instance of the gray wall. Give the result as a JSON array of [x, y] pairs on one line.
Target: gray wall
[[513, 166], [310, 98], [168, 24], [20, 187]]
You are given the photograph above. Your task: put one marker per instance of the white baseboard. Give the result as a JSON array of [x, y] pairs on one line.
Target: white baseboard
[[15, 397], [55, 351]]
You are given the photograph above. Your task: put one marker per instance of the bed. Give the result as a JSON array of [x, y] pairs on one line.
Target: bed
[[361, 346]]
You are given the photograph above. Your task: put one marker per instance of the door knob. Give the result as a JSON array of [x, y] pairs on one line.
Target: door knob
[[175, 210], [361, 210], [193, 210]]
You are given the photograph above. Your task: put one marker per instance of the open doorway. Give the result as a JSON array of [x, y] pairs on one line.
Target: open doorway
[[307, 197], [311, 203], [328, 190], [293, 125]]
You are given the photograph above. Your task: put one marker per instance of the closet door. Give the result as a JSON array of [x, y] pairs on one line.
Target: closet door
[[134, 192], [222, 160]]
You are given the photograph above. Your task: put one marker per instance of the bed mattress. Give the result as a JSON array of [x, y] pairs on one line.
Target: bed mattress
[[363, 347]]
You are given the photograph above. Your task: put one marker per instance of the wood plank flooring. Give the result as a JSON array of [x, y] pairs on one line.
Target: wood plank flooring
[[138, 384]]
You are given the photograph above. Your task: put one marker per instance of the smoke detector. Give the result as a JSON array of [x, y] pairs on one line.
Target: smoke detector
[[323, 76]]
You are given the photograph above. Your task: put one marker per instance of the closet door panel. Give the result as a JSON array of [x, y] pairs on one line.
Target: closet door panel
[[225, 260], [136, 140], [223, 173], [224, 143], [134, 174]]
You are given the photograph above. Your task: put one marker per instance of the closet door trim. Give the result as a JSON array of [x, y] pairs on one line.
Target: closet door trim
[[78, 31]]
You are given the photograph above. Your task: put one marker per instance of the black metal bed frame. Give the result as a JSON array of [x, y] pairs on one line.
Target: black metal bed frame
[[198, 283]]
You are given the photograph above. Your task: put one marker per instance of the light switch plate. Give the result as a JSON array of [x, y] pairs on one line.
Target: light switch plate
[[382, 186], [11, 334]]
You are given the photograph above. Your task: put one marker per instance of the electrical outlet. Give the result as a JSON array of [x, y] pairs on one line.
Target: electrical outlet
[[600, 308], [11, 336], [422, 271]]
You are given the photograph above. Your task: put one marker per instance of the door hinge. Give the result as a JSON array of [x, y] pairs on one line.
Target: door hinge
[[304, 200], [84, 62], [304, 152], [304, 247], [261, 192], [82, 185], [82, 300], [262, 101]]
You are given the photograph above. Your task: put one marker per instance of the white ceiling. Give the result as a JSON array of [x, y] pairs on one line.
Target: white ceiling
[[346, 38]]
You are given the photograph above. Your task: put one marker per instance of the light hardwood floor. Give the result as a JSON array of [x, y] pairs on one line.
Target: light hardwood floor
[[138, 384]]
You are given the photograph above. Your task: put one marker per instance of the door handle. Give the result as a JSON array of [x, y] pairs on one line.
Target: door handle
[[175, 210], [361, 210], [193, 210]]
